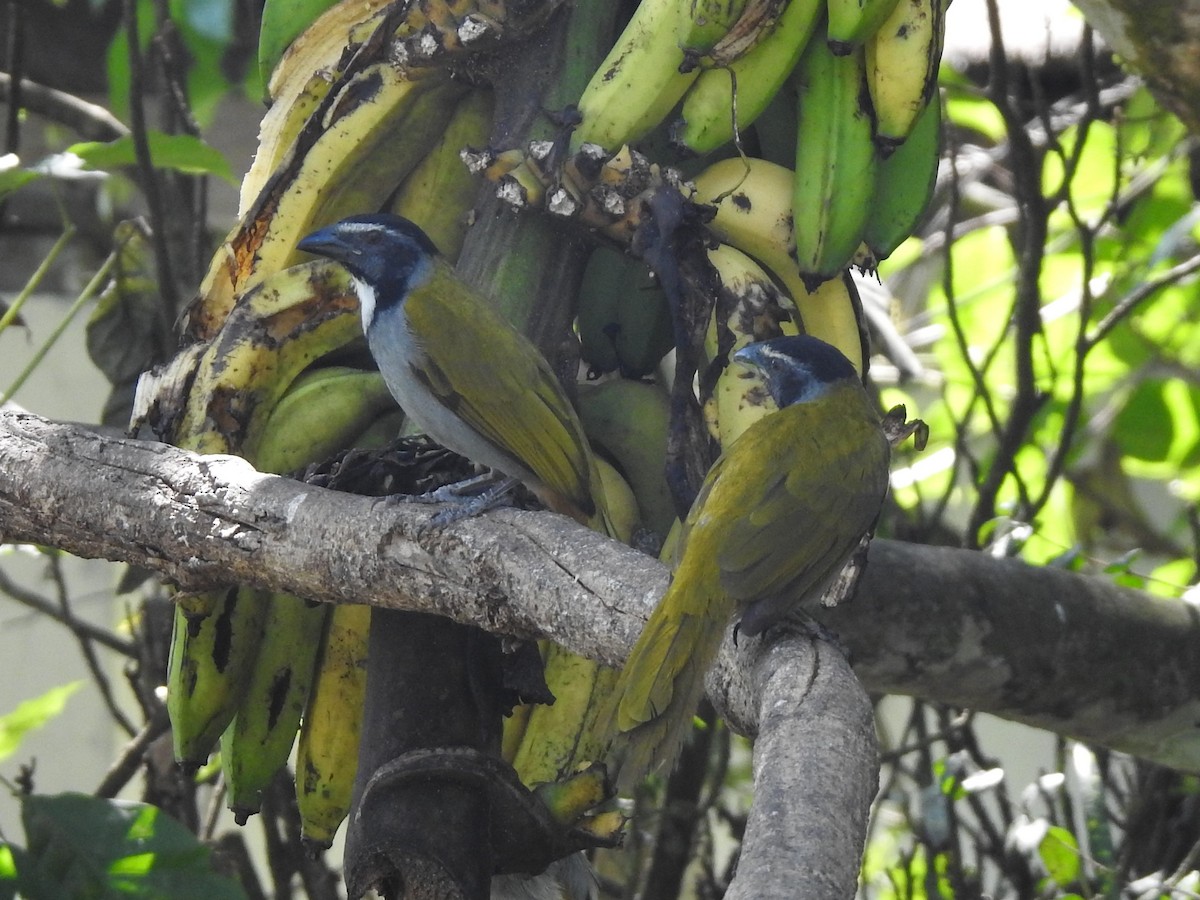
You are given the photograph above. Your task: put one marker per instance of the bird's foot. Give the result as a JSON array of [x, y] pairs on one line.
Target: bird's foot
[[464, 499]]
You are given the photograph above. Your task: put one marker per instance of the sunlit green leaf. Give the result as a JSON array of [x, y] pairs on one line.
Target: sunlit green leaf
[[181, 152], [1059, 853], [33, 714]]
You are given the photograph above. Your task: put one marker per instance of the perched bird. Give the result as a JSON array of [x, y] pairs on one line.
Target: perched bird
[[477, 386], [457, 367], [777, 517]]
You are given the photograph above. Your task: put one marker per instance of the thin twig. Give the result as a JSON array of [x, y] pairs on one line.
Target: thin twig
[[141, 146], [129, 761], [90, 121], [1143, 292], [41, 605], [88, 292], [87, 649]]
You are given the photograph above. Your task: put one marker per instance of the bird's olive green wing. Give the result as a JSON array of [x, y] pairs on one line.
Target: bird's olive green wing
[[511, 397], [795, 524]]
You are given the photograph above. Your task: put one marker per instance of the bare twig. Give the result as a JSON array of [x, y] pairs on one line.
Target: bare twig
[[86, 648], [89, 121], [41, 605]]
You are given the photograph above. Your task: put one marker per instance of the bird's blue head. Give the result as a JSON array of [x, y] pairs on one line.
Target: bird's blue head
[[386, 255], [797, 368]]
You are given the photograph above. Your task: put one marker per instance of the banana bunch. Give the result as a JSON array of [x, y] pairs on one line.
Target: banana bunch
[[754, 214], [348, 130]]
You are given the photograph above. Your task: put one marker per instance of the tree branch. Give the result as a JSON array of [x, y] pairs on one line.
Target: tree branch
[[1074, 654]]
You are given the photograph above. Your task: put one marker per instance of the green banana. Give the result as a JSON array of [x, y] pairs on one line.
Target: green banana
[[629, 420], [439, 192], [902, 60], [707, 118], [753, 200], [835, 161], [312, 420], [904, 184], [207, 674], [560, 737], [624, 322], [853, 21], [640, 80], [327, 754], [259, 740]]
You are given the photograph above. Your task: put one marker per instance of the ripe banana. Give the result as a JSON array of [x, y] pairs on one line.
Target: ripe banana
[[707, 119], [749, 308], [754, 214], [623, 516], [640, 80], [904, 184], [287, 59], [278, 328], [259, 740], [629, 420], [835, 161], [853, 21], [352, 152], [327, 755], [902, 60], [207, 674], [439, 192]]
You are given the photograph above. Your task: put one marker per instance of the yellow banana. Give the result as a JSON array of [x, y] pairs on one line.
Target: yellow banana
[[835, 161], [278, 328], [754, 214], [640, 80], [259, 740], [623, 516], [350, 155], [853, 21], [902, 60], [561, 737], [904, 184], [749, 308], [707, 119], [206, 674], [440, 191], [327, 755]]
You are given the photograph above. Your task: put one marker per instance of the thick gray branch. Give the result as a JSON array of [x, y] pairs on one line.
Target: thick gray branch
[[1075, 654]]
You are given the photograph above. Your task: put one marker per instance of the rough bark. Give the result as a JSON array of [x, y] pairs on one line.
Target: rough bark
[[1160, 41], [1075, 654]]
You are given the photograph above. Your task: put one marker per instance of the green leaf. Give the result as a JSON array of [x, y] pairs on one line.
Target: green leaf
[[81, 846], [1059, 853], [282, 22], [33, 714], [13, 175], [181, 152], [1144, 428], [8, 872]]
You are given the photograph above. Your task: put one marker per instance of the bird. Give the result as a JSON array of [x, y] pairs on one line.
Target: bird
[[468, 378], [776, 518], [474, 384]]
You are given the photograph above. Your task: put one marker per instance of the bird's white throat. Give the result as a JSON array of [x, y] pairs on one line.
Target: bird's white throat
[[366, 301]]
